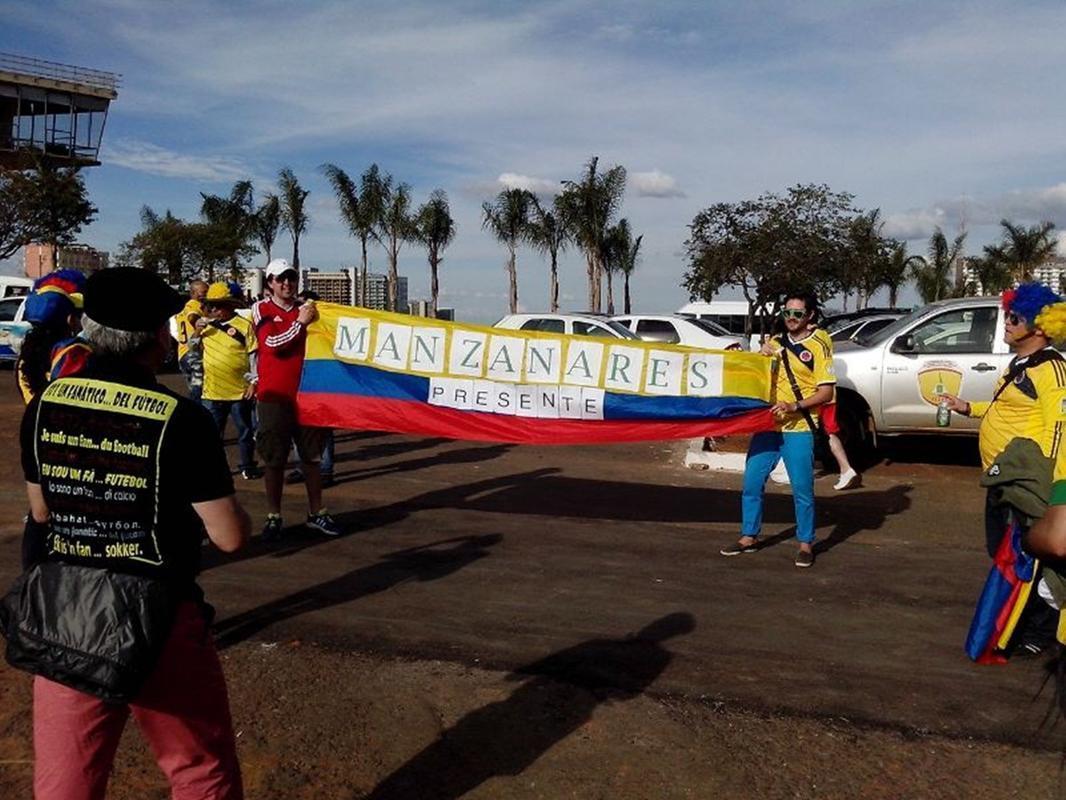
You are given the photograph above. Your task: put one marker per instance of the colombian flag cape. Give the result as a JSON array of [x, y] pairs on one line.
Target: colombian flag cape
[[1003, 599], [393, 372]]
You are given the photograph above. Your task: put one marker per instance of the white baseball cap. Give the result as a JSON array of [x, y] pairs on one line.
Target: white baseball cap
[[277, 267]]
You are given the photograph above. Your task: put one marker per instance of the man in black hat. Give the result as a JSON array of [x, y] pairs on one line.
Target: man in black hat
[[124, 477]]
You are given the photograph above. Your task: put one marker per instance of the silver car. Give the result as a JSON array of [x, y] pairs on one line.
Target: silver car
[[889, 382]]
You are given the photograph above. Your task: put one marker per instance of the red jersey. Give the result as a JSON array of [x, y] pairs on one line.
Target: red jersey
[[281, 350]]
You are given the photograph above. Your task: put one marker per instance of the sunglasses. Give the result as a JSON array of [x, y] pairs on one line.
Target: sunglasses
[[1014, 319], [793, 313], [287, 276]]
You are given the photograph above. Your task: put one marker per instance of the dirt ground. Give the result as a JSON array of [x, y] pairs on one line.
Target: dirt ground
[[522, 622]]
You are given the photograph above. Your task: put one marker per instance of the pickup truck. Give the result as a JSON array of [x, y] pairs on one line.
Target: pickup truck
[[888, 382]]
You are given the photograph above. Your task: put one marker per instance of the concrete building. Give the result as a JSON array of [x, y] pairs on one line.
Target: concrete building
[[420, 308], [331, 287], [1052, 273], [40, 259], [378, 293]]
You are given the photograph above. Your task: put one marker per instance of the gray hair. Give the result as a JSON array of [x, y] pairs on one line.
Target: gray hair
[[113, 342]]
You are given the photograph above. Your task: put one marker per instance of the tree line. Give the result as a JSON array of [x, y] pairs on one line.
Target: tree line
[[44, 204], [815, 238]]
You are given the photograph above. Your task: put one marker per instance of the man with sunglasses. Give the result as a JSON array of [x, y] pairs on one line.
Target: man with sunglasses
[[805, 381], [1030, 403], [280, 323]]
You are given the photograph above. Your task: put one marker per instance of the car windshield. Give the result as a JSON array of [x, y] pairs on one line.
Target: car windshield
[[865, 339], [622, 331], [712, 328]]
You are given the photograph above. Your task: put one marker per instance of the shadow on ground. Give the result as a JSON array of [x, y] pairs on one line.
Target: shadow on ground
[[559, 695]]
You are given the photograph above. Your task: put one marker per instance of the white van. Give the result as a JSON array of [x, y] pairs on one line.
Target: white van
[[730, 314]]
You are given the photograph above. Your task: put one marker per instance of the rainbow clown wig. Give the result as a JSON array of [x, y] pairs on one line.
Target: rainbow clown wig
[[55, 297]]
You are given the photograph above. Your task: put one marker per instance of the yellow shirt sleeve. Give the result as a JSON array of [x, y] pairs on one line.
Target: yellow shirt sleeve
[[978, 408], [1049, 379], [823, 359]]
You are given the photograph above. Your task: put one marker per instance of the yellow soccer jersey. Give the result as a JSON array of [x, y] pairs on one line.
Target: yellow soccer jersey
[[226, 347], [1033, 407], [811, 360], [184, 320]]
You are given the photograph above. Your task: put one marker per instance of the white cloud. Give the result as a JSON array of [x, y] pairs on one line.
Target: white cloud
[[655, 184], [156, 160], [539, 186], [914, 224]]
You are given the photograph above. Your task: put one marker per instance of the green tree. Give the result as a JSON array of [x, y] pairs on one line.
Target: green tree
[[507, 218], [435, 229], [45, 204], [396, 227], [990, 276], [589, 205], [769, 246], [932, 275], [266, 222], [547, 232], [1022, 250], [160, 247], [867, 260], [294, 218], [898, 270], [630, 257], [620, 257], [229, 227], [362, 209]]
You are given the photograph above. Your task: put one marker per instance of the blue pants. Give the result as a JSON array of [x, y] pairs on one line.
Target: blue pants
[[243, 414], [797, 451]]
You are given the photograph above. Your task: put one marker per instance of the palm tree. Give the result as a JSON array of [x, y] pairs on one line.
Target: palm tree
[[629, 257], [294, 217], [898, 267], [265, 223], [548, 233], [1022, 249], [932, 275], [590, 203], [990, 276], [230, 225], [395, 227], [361, 210], [507, 219], [435, 228]]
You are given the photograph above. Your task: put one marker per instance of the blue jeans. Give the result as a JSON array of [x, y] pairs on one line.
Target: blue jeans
[[797, 451], [243, 414], [192, 368]]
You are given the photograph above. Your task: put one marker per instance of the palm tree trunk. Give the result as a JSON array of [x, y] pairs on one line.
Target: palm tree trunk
[[610, 294], [590, 268], [512, 275], [394, 257], [363, 279], [628, 307], [554, 299], [296, 251], [434, 287]]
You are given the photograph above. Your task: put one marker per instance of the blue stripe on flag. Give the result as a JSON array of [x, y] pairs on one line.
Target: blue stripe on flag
[[337, 377]]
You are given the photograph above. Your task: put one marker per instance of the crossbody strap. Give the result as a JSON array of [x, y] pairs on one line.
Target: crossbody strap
[[1017, 369], [794, 384]]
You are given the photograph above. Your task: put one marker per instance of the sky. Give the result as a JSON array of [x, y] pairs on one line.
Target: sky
[[937, 112]]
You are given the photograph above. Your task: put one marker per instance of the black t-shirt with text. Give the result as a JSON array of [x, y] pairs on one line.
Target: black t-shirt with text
[[120, 460]]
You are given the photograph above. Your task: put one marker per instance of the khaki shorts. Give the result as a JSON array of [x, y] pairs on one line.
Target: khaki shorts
[[278, 429]]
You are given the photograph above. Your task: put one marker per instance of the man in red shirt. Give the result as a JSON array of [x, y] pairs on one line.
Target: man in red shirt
[[281, 329]]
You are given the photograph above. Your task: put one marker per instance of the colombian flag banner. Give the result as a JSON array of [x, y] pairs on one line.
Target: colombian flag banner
[[372, 370]]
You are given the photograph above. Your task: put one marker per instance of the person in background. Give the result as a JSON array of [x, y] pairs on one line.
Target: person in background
[[281, 329], [190, 360], [827, 415], [229, 347], [180, 486], [52, 348], [1029, 402], [805, 381]]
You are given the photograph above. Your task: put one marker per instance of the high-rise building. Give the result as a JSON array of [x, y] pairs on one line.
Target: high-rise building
[[377, 293], [420, 308], [40, 259], [331, 287], [1051, 272]]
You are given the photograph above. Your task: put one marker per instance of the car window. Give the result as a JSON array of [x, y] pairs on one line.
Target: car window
[[552, 326], [9, 307], [842, 332], [874, 325], [625, 322], [592, 329], [657, 330], [964, 330], [712, 328], [530, 325]]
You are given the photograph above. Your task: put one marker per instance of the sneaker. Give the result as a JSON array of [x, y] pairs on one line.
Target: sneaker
[[323, 523], [1028, 650], [849, 479], [804, 558], [252, 474], [737, 548], [272, 529], [296, 476]]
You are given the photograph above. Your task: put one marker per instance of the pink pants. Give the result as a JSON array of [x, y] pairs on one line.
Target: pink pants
[[183, 712]]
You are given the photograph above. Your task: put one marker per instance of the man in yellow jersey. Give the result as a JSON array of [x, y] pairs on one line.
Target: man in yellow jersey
[[229, 348], [1029, 402], [805, 381], [189, 359]]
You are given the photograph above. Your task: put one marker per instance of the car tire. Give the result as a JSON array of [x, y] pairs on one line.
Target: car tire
[[853, 420]]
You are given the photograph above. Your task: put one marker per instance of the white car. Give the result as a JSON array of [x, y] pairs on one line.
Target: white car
[[574, 324], [12, 327], [674, 329]]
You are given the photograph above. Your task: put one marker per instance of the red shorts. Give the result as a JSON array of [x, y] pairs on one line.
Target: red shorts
[[828, 415]]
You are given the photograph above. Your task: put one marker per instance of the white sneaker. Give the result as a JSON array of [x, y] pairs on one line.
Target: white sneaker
[[848, 480]]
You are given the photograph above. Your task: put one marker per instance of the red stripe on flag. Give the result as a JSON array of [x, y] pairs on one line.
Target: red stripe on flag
[[405, 416]]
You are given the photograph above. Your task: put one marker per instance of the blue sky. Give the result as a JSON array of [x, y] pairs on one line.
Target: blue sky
[[936, 112]]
